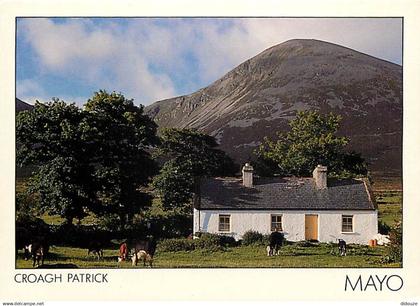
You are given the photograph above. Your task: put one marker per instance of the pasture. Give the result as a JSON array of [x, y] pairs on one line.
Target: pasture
[[320, 255]]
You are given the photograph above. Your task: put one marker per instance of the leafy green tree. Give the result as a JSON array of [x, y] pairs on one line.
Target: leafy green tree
[[312, 140], [52, 137], [93, 159], [195, 151], [174, 185], [123, 137], [189, 155]]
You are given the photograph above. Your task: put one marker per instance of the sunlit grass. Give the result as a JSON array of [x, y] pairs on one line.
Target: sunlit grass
[[291, 256]]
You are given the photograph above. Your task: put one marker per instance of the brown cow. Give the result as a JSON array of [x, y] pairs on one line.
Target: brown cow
[[123, 252]]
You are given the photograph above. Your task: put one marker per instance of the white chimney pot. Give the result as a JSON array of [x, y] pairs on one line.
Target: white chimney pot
[[320, 177], [247, 175]]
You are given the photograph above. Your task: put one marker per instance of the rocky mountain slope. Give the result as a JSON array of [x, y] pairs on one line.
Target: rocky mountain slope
[[22, 106], [261, 95]]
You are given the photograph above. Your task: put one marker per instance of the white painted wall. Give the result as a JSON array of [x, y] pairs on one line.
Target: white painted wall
[[365, 224]]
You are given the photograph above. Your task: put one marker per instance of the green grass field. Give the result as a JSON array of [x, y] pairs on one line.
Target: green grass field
[[291, 256], [389, 206]]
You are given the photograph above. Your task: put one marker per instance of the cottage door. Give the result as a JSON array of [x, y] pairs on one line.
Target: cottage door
[[311, 227]]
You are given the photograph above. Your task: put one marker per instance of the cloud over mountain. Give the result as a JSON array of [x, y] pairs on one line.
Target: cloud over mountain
[[150, 59]]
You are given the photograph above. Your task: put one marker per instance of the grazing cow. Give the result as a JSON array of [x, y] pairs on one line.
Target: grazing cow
[[123, 255], [96, 248], [134, 246], [38, 250], [276, 240], [142, 255], [149, 246], [342, 247]]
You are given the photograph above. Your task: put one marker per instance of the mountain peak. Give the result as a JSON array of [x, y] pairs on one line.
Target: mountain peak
[[261, 95]]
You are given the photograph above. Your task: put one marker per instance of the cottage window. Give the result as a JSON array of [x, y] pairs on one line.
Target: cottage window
[[276, 223], [347, 224], [224, 223]]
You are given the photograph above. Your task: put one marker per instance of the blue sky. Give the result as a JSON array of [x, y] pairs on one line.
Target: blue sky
[[150, 59]]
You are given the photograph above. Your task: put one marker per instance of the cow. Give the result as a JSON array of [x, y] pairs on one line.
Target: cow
[[96, 248], [275, 242], [123, 253], [38, 249], [134, 246], [142, 255], [149, 246], [342, 247]]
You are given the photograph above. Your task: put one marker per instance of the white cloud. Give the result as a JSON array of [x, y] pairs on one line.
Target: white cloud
[[147, 60], [104, 57], [29, 87]]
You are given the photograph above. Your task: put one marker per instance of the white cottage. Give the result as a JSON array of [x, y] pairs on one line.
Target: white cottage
[[302, 208]]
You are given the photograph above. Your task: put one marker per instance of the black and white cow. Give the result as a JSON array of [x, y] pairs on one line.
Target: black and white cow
[[38, 250], [342, 247]]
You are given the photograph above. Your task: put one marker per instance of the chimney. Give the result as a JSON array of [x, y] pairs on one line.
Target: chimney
[[247, 173], [320, 177]]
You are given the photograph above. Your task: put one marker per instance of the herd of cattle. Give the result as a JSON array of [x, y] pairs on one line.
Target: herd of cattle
[[138, 250], [131, 249], [37, 248]]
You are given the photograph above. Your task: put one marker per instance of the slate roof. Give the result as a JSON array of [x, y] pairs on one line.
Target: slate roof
[[283, 194]]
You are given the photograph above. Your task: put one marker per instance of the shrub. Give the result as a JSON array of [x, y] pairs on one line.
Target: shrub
[[252, 237], [214, 242], [209, 242], [394, 249], [206, 241], [176, 245], [35, 225], [383, 228], [228, 241], [266, 240]]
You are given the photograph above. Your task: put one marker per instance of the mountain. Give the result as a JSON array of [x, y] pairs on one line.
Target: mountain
[[22, 106], [261, 95]]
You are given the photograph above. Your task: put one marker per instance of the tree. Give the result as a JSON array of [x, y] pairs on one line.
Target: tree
[[312, 140], [93, 159], [195, 151], [189, 155], [52, 137], [123, 165], [175, 187]]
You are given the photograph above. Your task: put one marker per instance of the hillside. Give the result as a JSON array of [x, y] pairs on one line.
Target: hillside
[[261, 95], [22, 106]]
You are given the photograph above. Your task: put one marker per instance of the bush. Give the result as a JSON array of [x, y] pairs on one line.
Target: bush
[[252, 237], [176, 245], [228, 241], [394, 249], [206, 241], [35, 225], [383, 228]]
